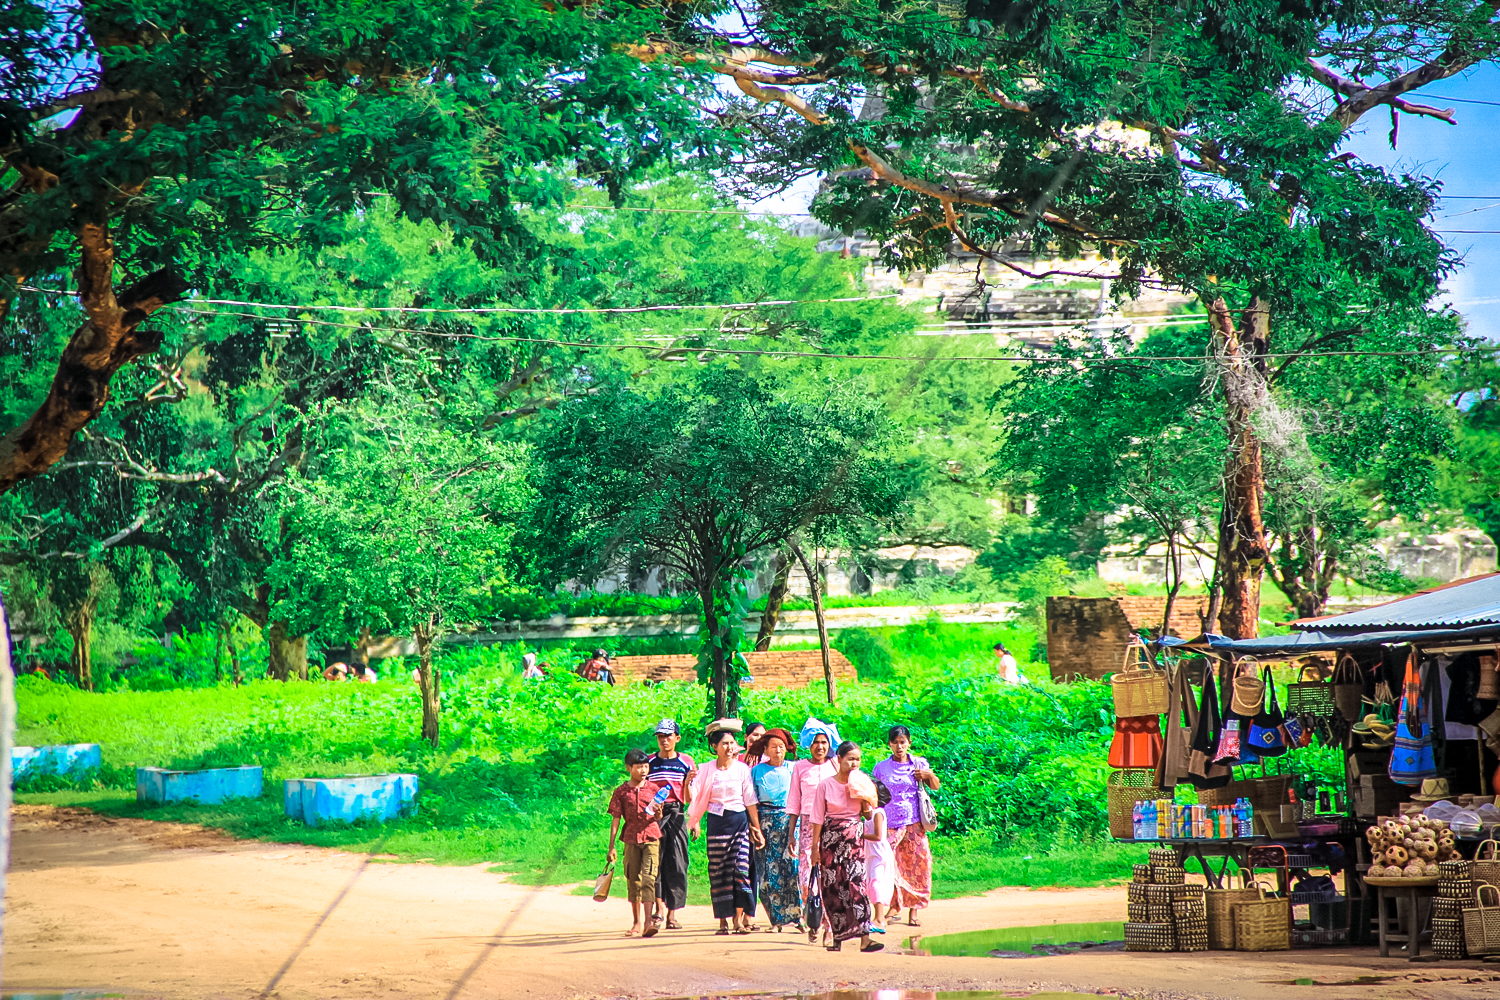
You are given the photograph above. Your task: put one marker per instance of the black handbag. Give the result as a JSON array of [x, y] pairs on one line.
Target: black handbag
[[1204, 772]]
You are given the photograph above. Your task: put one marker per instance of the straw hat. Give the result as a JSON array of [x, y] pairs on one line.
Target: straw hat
[[1374, 732], [1433, 790]]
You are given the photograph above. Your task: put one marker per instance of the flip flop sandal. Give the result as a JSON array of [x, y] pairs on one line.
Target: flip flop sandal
[[673, 925], [877, 930], [873, 946], [650, 930], [743, 930], [722, 930]]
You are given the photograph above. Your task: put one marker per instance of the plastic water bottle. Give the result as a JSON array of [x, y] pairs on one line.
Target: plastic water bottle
[[1135, 821], [1152, 827]]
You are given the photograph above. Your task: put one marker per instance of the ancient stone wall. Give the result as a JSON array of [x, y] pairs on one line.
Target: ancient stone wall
[[1087, 636], [792, 668]]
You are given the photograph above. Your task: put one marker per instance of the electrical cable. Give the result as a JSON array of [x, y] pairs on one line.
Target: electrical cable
[[666, 349]]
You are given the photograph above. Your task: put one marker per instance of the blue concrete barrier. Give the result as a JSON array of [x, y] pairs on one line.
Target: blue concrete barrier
[[316, 801], [207, 787], [65, 759]]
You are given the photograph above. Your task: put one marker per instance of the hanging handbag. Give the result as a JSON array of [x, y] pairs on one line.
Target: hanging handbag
[[1266, 738], [1204, 772], [1249, 691], [1489, 677], [1348, 691], [1139, 688], [814, 900], [602, 883], [1312, 697], [1411, 757], [1137, 744], [926, 814], [1177, 750]]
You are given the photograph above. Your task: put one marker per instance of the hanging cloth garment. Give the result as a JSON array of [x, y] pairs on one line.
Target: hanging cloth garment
[[1177, 755]]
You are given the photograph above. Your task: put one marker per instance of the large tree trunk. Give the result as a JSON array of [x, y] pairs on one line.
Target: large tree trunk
[[288, 653], [426, 635], [774, 599], [1304, 568], [80, 625], [817, 597], [716, 673], [1243, 551], [108, 340]]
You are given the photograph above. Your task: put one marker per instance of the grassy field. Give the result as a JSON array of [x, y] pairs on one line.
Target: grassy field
[[524, 770]]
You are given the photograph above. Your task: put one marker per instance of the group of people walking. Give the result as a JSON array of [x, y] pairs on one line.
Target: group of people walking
[[814, 840]]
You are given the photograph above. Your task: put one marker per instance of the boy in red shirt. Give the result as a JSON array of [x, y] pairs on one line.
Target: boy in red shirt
[[634, 804]]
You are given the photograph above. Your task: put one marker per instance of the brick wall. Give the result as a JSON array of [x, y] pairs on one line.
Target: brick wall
[[1087, 636], [774, 669]]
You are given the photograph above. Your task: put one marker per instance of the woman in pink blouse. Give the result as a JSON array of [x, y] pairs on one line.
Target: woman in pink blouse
[[807, 774], [839, 851], [725, 792]]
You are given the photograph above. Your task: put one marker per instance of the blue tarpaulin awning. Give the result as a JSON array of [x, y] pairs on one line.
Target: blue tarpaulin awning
[[1316, 642]]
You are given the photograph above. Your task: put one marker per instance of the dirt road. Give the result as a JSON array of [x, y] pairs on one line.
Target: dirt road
[[164, 910]]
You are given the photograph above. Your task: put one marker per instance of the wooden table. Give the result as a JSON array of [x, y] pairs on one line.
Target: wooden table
[[1414, 895]]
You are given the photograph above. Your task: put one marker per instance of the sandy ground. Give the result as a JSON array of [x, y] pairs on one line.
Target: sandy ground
[[165, 910]]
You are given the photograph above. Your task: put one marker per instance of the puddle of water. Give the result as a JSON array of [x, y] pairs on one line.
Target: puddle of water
[[1357, 981], [1045, 939]]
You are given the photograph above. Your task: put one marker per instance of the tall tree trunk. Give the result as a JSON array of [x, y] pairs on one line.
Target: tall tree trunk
[[80, 625], [774, 599], [234, 664], [817, 596], [716, 671], [219, 637], [1243, 551], [109, 339], [430, 677], [1304, 568], [288, 653], [1174, 574]]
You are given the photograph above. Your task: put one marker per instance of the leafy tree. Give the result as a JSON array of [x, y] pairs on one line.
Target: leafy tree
[[205, 127], [1189, 142], [405, 530], [698, 474]]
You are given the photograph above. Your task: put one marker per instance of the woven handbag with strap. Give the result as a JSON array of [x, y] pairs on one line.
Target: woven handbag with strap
[[1249, 691], [602, 883], [1482, 922], [1348, 691], [1139, 688], [1486, 866]]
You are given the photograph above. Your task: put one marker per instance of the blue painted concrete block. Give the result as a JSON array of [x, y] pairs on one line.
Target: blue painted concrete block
[[207, 787], [315, 801], [67, 759]]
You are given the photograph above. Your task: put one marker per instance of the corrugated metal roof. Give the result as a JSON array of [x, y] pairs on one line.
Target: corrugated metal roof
[[1475, 601]]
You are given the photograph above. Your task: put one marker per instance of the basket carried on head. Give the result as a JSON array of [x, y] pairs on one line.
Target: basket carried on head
[[1139, 688], [1262, 924], [1124, 789], [1220, 903]]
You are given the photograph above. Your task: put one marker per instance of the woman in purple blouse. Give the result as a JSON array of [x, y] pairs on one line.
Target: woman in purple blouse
[[902, 773]]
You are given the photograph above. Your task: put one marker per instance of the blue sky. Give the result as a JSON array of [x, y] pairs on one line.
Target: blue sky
[[1466, 158]]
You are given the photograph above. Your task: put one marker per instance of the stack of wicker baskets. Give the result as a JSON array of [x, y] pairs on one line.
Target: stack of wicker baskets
[[1165, 914], [1453, 893]]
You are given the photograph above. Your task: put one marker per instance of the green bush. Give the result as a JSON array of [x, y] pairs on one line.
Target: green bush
[[867, 650]]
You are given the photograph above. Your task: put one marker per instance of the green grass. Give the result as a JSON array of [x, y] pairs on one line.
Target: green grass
[[524, 769]]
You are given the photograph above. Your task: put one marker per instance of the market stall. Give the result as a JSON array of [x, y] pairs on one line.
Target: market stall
[[1353, 792]]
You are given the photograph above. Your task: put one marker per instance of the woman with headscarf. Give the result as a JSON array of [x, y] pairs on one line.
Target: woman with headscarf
[[838, 850], [902, 773], [807, 774], [753, 732], [725, 793], [776, 864]]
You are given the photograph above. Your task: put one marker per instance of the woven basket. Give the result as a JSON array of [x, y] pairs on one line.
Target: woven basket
[[1457, 869], [1262, 924], [1150, 937], [1162, 856], [1149, 913], [1149, 892], [1192, 940], [1444, 908], [1219, 903], [1459, 890], [1124, 789], [1486, 864], [1190, 908], [1482, 922], [1168, 874], [1310, 697], [1139, 689], [1140, 873]]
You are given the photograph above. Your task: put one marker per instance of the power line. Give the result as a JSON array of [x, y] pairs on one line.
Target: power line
[[500, 309], [663, 349], [1456, 100]]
